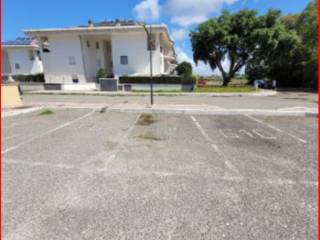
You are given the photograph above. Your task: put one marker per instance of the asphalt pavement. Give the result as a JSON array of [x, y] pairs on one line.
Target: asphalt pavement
[[98, 174]]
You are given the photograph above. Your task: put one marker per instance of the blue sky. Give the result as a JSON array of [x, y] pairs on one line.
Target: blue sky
[[179, 15]]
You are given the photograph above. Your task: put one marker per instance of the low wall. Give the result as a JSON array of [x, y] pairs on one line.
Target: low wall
[[10, 96], [31, 86], [156, 87], [80, 87]]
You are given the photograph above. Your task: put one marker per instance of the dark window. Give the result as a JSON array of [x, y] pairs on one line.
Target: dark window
[[88, 43], [38, 54], [124, 60], [17, 66], [97, 45], [75, 78], [45, 44], [31, 55]]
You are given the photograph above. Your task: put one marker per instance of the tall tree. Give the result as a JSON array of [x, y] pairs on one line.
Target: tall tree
[[229, 36], [307, 28], [276, 49], [265, 44]]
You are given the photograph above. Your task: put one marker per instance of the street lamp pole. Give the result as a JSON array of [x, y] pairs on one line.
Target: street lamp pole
[[150, 56]]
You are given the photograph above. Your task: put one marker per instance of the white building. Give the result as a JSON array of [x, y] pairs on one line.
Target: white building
[[72, 56], [21, 57]]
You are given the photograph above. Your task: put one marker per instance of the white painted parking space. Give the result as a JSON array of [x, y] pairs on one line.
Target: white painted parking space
[[215, 147], [276, 129], [61, 126], [246, 133]]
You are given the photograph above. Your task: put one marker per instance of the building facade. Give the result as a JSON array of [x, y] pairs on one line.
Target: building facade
[[21, 57], [73, 56]]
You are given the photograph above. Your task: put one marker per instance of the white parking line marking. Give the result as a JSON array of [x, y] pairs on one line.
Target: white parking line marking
[[246, 133], [263, 134], [38, 164], [227, 133], [118, 148], [215, 147], [276, 129], [47, 132]]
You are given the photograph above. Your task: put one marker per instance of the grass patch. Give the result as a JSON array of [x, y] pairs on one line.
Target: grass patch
[[157, 91], [229, 89], [46, 112]]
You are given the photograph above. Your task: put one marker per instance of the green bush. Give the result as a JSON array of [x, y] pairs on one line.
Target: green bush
[[146, 79], [184, 69], [101, 73], [29, 78]]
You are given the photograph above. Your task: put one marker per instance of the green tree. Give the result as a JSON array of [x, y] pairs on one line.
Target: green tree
[[276, 46], [229, 36], [184, 69], [307, 28], [290, 52]]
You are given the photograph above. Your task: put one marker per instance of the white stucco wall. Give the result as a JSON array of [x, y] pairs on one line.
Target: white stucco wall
[[56, 62], [134, 45], [92, 55], [6, 68], [21, 57]]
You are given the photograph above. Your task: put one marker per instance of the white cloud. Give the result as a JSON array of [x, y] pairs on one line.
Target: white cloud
[[179, 34], [147, 10], [187, 12], [201, 68]]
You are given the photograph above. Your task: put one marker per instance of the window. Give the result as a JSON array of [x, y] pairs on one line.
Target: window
[[124, 60], [31, 55], [97, 45], [38, 55], [151, 44], [99, 63], [75, 78], [17, 66], [88, 43], [45, 44], [72, 60]]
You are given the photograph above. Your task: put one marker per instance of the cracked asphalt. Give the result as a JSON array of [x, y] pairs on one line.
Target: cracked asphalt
[[90, 174]]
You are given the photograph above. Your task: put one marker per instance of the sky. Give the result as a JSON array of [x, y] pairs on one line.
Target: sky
[[180, 16]]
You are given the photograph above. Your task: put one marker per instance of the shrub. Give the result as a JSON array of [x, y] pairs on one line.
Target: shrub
[[29, 78], [101, 73], [184, 69], [146, 79]]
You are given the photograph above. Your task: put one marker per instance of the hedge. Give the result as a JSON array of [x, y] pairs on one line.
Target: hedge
[[146, 79], [29, 78]]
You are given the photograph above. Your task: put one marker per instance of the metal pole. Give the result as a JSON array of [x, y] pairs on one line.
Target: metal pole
[[151, 73], [150, 59]]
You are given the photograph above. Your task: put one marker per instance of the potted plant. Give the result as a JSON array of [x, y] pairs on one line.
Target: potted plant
[[101, 73]]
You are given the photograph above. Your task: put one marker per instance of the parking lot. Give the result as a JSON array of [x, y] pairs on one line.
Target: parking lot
[[99, 174]]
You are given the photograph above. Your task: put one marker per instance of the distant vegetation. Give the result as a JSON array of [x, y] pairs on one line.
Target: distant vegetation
[[270, 46]]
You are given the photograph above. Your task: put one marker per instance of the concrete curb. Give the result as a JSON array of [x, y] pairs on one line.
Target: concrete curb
[[265, 112], [171, 109], [261, 93]]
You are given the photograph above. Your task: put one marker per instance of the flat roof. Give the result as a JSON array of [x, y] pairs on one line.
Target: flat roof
[[21, 42], [96, 29]]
